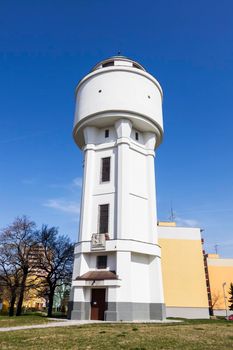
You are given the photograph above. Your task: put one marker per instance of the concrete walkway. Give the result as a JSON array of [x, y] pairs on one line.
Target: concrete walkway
[[65, 323]]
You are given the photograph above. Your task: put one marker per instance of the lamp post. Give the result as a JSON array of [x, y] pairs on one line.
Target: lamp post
[[224, 294]]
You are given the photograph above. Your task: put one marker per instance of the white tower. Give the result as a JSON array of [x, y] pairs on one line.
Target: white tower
[[118, 125]]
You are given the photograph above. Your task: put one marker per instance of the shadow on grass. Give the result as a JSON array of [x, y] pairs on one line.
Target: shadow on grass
[[59, 315], [219, 320], [44, 314]]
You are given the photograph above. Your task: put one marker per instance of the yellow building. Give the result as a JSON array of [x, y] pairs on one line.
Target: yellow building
[[220, 275], [184, 280], [32, 301]]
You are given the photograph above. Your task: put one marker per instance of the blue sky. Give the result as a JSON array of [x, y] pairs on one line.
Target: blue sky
[[47, 46]]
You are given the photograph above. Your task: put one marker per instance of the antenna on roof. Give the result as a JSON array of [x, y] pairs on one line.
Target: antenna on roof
[[172, 217], [216, 248]]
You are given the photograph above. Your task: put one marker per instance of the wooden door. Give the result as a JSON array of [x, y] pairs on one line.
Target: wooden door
[[97, 304]]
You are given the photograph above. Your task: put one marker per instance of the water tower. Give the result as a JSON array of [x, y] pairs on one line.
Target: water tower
[[118, 124]]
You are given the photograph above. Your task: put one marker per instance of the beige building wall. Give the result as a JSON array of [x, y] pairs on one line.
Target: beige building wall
[[220, 271], [183, 272]]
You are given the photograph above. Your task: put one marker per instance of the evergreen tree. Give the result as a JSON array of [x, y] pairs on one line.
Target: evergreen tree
[[231, 297]]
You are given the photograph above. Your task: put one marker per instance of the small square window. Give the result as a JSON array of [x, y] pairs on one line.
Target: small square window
[[106, 133], [136, 136], [101, 262]]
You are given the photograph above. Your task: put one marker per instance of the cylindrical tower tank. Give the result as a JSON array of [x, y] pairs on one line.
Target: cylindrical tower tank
[[118, 87]]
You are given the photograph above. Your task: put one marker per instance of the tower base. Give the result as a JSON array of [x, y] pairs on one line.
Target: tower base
[[120, 311]]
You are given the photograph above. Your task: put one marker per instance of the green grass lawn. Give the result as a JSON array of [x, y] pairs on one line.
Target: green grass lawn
[[186, 335], [25, 320]]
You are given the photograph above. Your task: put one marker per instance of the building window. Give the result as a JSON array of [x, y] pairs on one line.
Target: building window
[[108, 64], [101, 262], [105, 171], [103, 218], [136, 66], [136, 136], [106, 133]]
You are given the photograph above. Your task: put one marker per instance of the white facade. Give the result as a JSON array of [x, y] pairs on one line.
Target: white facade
[[118, 116]]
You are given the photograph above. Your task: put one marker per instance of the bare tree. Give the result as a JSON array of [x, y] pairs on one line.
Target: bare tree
[[216, 299], [16, 263], [55, 262], [10, 275]]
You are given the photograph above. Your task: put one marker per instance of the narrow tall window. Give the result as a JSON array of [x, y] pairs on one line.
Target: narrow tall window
[[106, 133], [103, 218], [105, 171], [136, 136]]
